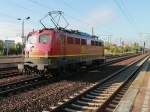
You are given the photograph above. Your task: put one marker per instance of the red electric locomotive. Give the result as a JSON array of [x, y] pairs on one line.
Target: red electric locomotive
[[57, 49]]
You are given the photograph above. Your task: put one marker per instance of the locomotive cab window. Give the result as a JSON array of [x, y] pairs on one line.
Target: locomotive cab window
[[44, 39], [32, 39]]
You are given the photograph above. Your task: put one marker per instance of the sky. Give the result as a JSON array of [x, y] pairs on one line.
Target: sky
[[118, 20]]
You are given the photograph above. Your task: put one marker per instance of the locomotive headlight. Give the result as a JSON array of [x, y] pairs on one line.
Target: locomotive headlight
[[27, 54], [46, 54]]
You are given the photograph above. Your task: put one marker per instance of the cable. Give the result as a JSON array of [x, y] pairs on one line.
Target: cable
[[129, 14], [7, 16], [73, 9], [47, 7], [122, 10], [18, 5], [77, 19], [130, 21], [77, 12], [70, 7], [39, 4], [26, 9], [71, 17]]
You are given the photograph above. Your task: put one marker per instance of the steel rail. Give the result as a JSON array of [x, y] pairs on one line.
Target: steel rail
[[31, 82], [96, 97]]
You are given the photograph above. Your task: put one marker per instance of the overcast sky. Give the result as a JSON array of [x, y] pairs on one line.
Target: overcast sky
[[126, 20]]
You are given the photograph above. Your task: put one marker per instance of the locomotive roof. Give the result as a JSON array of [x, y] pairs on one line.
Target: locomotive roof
[[76, 32], [73, 32]]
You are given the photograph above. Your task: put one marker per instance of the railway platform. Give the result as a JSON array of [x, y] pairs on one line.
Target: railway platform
[[137, 98], [11, 60]]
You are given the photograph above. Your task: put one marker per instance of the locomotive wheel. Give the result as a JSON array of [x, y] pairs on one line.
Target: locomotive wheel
[[60, 72], [63, 71], [46, 73], [74, 68], [54, 72]]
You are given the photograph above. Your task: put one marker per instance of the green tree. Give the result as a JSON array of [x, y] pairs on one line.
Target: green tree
[[1, 47], [18, 48], [12, 49], [136, 47]]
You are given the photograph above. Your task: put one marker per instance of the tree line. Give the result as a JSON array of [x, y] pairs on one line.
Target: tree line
[[122, 49]]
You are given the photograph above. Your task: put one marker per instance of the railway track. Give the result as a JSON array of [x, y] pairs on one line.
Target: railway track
[[9, 73], [11, 70], [31, 82], [104, 95], [20, 85], [8, 70], [3, 69], [110, 61], [33, 98]]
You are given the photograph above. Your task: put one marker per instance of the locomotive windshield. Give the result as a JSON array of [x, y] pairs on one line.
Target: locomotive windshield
[[44, 39], [32, 39]]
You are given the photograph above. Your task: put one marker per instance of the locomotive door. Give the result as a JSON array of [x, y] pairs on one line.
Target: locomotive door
[[63, 40]]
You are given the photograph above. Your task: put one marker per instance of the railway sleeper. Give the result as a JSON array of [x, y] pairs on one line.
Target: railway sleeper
[[71, 110], [109, 109], [103, 94], [97, 97], [115, 101], [93, 100], [83, 108], [108, 91], [111, 105], [84, 103]]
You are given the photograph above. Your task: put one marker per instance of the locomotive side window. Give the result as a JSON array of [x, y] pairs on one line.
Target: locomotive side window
[[99, 43], [83, 42], [32, 39], [92, 42], [96, 43], [62, 39], [77, 41], [44, 39], [69, 40]]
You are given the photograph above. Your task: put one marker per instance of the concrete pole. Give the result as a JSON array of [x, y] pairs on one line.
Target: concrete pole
[[23, 36]]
